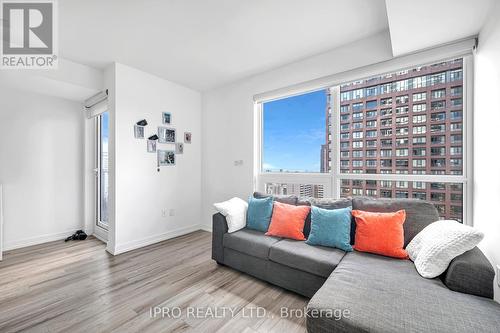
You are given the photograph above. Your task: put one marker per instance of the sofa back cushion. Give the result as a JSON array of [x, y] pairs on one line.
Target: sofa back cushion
[[287, 199], [419, 213]]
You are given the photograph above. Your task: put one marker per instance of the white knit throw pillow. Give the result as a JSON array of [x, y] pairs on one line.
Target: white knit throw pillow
[[235, 211], [439, 243]]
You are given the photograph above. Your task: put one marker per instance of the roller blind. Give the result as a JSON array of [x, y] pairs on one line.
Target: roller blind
[[96, 105]]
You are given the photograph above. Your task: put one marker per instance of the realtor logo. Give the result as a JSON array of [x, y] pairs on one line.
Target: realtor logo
[[28, 34]]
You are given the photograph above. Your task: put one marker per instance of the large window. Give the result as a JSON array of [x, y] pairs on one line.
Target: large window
[[397, 135]]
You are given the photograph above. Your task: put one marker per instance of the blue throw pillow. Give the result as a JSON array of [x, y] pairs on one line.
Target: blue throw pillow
[[331, 227], [259, 213]]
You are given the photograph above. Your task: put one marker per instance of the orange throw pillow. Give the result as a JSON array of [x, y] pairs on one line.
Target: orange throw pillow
[[380, 233], [288, 221]]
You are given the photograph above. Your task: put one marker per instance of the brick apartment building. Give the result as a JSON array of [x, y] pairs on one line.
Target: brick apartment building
[[408, 122]]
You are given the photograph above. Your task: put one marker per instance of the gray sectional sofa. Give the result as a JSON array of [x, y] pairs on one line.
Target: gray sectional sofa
[[375, 293]]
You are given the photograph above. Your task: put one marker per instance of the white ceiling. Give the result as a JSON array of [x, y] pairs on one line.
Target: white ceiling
[[416, 25], [207, 43]]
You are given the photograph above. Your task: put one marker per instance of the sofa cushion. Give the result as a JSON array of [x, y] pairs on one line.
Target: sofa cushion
[[383, 294], [433, 249], [251, 242], [287, 199], [331, 227], [325, 203], [288, 221], [259, 213], [317, 260], [380, 233], [470, 273], [419, 213]]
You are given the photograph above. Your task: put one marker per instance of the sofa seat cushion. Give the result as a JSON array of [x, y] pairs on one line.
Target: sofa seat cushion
[[318, 260], [382, 294], [251, 242]]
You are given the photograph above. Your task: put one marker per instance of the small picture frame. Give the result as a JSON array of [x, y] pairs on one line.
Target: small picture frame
[[151, 146], [166, 158], [166, 135], [166, 118], [187, 137], [179, 148], [139, 132]]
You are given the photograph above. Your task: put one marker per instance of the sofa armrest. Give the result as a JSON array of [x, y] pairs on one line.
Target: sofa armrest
[[470, 273], [219, 228]]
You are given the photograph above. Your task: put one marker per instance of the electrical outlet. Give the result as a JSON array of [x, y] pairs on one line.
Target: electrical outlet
[[171, 212], [498, 275]]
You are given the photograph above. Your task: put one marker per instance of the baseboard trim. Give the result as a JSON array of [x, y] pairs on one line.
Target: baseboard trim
[[120, 248], [100, 234], [206, 228], [136, 244], [17, 244]]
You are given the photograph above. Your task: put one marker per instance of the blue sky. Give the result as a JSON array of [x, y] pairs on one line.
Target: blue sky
[[105, 130], [294, 130]]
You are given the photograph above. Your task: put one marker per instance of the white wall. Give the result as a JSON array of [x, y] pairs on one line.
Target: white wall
[[228, 118], [486, 123], [141, 193], [41, 158]]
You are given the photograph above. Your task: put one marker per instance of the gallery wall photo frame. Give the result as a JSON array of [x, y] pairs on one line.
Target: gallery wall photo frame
[[179, 148], [166, 134], [187, 137], [139, 132], [166, 157], [166, 118], [152, 143], [151, 146]]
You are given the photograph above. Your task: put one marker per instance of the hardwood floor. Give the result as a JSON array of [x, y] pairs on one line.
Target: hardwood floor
[[79, 287]]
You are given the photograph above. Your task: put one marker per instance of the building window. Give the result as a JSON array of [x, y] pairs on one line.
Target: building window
[[371, 104], [456, 102], [456, 91], [456, 75], [440, 93], [402, 152], [385, 112], [438, 151], [419, 140], [357, 106], [402, 100], [418, 97], [440, 116], [401, 120], [419, 152], [386, 153], [455, 150], [438, 105], [419, 119], [386, 101], [419, 129], [419, 108], [456, 127]]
